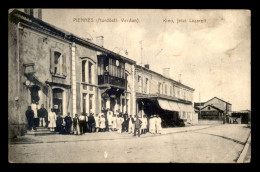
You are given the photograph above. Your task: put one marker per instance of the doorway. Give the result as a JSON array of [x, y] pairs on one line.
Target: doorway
[[58, 101]]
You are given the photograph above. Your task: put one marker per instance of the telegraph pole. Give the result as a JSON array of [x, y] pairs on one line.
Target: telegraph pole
[[141, 42]]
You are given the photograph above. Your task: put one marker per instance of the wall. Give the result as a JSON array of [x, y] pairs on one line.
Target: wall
[[34, 47], [87, 54]]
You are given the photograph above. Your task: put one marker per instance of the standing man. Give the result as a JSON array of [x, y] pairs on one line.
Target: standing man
[[52, 120], [138, 124], [29, 115], [91, 123], [59, 122], [125, 123], [76, 125], [42, 113], [82, 123], [68, 123], [35, 118]]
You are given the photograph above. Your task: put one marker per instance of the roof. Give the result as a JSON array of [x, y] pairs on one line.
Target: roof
[[39, 24], [219, 99], [212, 107], [177, 83], [196, 103]]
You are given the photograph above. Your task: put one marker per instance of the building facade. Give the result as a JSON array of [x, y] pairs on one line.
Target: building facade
[[158, 94]]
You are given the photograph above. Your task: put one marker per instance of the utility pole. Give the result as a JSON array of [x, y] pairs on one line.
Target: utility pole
[[200, 105], [141, 42]]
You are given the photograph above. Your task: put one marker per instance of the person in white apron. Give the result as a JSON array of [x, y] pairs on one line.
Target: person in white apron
[[109, 120], [130, 124], [144, 125], [114, 119], [119, 122], [152, 125], [52, 120], [97, 122], [158, 124], [102, 125]]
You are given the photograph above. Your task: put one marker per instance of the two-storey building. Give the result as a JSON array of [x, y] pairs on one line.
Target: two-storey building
[[158, 94]]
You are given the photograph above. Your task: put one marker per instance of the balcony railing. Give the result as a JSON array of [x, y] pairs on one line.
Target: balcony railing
[[111, 80]]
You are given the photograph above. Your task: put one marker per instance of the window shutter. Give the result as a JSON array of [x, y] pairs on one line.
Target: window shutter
[[52, 61], [64, 66]]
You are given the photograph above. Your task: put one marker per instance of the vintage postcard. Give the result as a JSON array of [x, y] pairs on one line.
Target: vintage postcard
[[129, 86]]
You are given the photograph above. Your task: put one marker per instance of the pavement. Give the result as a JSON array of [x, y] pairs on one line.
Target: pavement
[[55, 138], [191, 144]]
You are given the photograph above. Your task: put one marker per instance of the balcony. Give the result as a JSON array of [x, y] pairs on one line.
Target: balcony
[[108, 80]]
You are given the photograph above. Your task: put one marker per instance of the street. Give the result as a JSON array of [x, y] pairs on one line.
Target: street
[[194, 144]]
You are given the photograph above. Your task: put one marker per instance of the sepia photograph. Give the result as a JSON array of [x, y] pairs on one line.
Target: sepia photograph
[[129, 85]]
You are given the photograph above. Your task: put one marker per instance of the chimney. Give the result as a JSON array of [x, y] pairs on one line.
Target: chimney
[[34, 12], [100, 41], [146, 66], [179, 78], [166, 72]]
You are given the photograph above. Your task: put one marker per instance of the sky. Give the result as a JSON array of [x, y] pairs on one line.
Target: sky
[[212, 56]]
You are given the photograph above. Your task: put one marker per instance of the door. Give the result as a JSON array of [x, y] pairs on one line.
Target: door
[[58, 101]]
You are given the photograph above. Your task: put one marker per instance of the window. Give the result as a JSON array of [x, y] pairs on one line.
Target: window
[[84, 96], [146, 87], [159, 87], [90, 72], [165, 89], [116, 68], [170, 90], [91, 103], [83, 71], [58, 63], [87, 71], [140, 83], [178, 92]]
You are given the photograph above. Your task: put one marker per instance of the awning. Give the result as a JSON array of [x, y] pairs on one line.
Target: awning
[[168, 105]]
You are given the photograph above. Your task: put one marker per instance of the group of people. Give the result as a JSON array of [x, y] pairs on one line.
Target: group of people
[[83, 123]]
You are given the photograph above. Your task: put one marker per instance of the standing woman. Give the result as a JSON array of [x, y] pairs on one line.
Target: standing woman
[[119, 122], [52, 120], [114, 119], [144, 125], [102, 123], [97, 122], [152, 124], [159, 124]]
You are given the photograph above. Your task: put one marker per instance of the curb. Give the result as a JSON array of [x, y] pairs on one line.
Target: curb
[[244, 152]]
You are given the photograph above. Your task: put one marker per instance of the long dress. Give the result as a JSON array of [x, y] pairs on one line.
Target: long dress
[[119, 122], [114, 125], [52, 119], [144, 123], [102, 123], [109, 118], [152, 125], [159, 125], [97, 121]]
